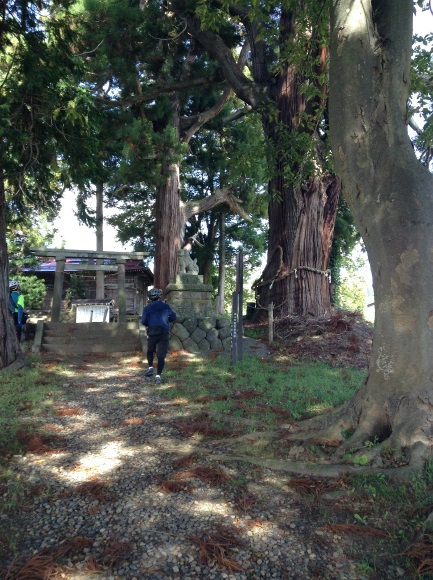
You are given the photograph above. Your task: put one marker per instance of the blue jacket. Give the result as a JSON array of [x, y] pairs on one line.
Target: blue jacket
[[158, 313]]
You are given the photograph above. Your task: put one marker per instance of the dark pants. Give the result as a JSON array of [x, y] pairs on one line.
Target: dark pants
[[159, 345], [18, 329]]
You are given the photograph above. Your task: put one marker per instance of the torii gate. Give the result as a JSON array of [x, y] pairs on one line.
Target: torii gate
[[60, 257]]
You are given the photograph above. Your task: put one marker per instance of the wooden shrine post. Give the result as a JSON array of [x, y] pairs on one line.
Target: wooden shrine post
[[58, 289], [121, 290]]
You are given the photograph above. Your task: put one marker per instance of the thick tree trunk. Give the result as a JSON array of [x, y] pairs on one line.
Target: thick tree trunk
[[391, 196], [11, 355], [301, 219], [168, 215], [301, 225], [168, 232]]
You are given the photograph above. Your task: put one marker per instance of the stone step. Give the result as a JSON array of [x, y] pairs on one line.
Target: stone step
[[106, 339], [105, 335], [81, 338], [66, 349], [88, 327]]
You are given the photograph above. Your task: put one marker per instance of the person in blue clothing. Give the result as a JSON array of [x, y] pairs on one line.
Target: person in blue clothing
[[16, 305], [156, 317]]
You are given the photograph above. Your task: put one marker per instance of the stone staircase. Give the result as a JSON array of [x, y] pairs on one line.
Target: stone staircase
[[87, 337]]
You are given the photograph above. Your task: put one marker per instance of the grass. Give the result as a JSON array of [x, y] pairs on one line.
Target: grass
[[400, 509], [25, 396], [270, 390]]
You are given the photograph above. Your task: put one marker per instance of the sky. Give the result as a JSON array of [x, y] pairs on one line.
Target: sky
[[80, 237]]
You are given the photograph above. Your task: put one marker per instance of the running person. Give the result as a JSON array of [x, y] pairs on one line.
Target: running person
[[156, 317]]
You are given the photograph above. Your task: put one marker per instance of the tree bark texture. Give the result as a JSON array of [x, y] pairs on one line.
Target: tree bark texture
[[301, 226], [168, 221], [391, 197], [301, 220], [11, 355]]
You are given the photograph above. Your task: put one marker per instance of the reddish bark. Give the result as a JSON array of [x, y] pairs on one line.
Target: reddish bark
[[11, 355]]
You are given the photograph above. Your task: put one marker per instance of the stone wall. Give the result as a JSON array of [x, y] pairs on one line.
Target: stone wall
[[195, 334]]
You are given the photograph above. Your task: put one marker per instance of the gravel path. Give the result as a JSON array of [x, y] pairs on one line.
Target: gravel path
[[99, 501]]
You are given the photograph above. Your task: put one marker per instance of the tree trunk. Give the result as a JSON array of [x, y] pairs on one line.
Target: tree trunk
[[168, 233], [301, 219], [301, 226], [390, 194], [11, 355]]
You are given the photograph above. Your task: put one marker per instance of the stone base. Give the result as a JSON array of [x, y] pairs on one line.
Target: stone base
[[200, 334], [189, 283], [189, 297]]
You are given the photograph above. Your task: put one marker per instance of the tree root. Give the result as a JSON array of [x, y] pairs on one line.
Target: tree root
[[378, 433], [298, 468], [20, 362], [380, 428]]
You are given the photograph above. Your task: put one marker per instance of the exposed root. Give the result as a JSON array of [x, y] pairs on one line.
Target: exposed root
[[20, 362], [327, 470], [389, 432]]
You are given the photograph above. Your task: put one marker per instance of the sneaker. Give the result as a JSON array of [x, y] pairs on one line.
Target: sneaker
[[158, 380], [149, 372]]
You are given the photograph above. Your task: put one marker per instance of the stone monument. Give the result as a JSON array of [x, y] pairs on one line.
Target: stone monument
[[197, 328], [188, 296]]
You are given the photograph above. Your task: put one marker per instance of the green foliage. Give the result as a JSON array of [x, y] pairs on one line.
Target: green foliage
[[22, 233], [44, 117], [422, 102], [344, 241], [34, 291], [76, 288], [351, 292], [230, 287], [392, 504]]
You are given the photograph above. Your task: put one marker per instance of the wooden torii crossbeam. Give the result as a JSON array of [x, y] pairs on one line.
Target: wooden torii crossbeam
[[60, 255]]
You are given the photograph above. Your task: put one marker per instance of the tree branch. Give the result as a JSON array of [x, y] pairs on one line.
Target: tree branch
[[192, 124], [252, 93], [237, 115], [156, 91], [219, 197]]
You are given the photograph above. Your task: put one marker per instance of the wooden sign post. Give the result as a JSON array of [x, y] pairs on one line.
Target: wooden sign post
[[237, 311]]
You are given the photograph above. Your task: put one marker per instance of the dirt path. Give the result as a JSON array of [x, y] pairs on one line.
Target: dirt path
[[121, 488]]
